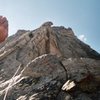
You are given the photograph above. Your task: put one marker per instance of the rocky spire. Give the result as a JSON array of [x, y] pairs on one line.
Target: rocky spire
[[47, 24], [48, 63]]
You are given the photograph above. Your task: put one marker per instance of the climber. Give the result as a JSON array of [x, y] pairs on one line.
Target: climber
[[3, 28]]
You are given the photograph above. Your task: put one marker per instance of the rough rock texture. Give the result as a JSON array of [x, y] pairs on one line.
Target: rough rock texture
[[49, 63]]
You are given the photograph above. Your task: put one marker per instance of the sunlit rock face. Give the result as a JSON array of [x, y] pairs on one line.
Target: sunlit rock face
[[48, 63]]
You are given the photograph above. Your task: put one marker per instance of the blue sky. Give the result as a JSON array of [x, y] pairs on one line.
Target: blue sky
[[83, 16]]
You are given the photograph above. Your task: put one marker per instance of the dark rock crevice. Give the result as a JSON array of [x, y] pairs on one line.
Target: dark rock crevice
[[47, 47]]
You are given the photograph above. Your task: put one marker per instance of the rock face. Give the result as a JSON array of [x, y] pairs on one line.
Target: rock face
[[49, 63]]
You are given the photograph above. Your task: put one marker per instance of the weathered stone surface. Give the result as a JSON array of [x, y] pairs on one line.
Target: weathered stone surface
[[81, 68], [44, 74], [34, 65], [84, 71]]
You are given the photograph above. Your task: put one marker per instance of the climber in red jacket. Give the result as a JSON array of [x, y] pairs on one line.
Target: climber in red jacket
[[3, 28]]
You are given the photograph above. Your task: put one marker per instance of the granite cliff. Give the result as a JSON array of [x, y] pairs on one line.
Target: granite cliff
[[48, 63]]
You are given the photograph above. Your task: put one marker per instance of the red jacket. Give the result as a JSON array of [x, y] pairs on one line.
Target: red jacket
[[3, 28]]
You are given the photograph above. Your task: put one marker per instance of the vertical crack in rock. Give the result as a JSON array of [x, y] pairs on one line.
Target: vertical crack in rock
[[48, 42], [65, 70], [60, 90]]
